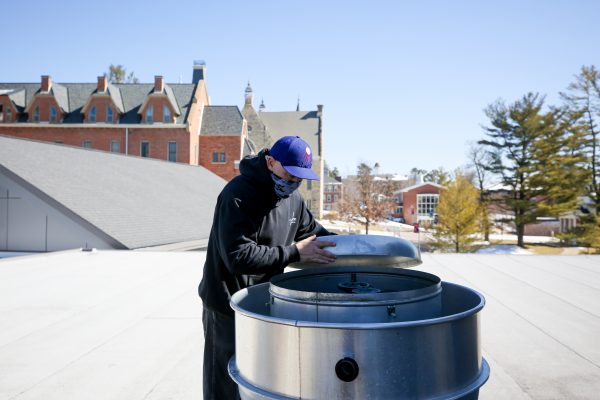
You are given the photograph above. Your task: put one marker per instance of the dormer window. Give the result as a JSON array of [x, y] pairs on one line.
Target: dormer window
[[53, 114], [149, 114], [109, 114], [166, 114], [92, 116], [36, 114]]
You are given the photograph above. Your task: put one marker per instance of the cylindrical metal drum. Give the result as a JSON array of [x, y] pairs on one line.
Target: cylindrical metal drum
[[352, 294], [359, 331]]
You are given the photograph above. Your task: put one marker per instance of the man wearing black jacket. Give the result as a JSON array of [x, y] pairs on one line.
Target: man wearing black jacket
[[261, 224]]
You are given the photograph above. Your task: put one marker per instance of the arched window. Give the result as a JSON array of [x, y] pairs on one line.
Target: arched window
[[166, 114], [92, 116], [149, 114], [109, 114], [36, 114], [53, 114]]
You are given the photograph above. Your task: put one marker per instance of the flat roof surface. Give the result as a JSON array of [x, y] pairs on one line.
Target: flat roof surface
[[127, 324]]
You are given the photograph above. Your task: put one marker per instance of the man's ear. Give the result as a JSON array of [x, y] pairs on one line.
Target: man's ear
[[270, 161]]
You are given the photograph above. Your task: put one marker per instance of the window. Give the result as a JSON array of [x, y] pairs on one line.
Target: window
[[8, 114], [52, 114], [87, 144], [166, 114], [329, 198], [109, 114], [172, 151], [309, 204], [218, 157], [2, 113], [427, 204], [36, 114], [115, 146], [149, 114], [92, 116], [308, 184], [145, 149]]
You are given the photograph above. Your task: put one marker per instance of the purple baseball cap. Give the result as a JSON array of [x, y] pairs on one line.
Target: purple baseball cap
[[295, 156]]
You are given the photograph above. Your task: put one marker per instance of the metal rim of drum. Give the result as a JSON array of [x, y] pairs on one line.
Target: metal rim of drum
[[238, 296], [432, 286]]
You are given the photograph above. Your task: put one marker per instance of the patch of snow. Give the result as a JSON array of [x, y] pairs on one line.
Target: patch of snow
[[503, 249]]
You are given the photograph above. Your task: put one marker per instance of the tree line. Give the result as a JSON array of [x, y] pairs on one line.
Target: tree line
[[544, 158]]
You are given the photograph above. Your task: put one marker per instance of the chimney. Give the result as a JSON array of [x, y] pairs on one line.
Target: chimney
[[46, 83], [159, 83], [199, 71], [102, 83], [319, 110]]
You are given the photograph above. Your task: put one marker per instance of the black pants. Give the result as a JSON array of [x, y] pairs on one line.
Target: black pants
[[219, 346]]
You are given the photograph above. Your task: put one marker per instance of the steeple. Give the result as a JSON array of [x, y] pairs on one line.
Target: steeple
[[262, 106], [248, 94], [298, 105]]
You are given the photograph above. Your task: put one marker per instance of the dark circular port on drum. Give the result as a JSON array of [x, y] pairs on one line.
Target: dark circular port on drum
[[346, 369]]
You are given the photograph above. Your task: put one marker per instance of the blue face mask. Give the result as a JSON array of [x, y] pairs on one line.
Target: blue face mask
[[284, 188]]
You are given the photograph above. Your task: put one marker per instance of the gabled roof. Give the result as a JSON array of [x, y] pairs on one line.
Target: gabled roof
[[331, 181], [293, 123], [222, 120], [128, 96], [408, 189], [138, 202], [17, 96]]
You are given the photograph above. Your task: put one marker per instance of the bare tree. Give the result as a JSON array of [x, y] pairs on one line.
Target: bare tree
[[366, 200], [479, 161], [118, 74]]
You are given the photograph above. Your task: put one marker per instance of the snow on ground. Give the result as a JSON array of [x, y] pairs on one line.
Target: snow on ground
[[503, 249]]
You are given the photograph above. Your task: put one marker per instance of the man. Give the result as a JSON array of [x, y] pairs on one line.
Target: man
[[260, 225]]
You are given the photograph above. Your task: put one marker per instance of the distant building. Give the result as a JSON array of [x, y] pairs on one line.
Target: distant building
[[166, 121], [265, 127], [418, 203], [57, 197], [332, 193]]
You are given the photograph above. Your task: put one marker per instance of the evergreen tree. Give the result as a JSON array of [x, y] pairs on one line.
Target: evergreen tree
[[458, 212], [514, 131], [582, 99]]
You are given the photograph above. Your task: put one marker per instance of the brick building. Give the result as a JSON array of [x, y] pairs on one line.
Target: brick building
[[332, 193], [173, 122], [418, 203]]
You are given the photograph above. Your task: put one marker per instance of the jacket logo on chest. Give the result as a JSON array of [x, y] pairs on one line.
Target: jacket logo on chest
[[293, 219]]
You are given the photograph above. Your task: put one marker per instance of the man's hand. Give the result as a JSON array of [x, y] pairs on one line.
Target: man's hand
[[311, 250]]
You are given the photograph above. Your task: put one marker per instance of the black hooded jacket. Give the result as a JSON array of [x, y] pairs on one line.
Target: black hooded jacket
[[252, 235]]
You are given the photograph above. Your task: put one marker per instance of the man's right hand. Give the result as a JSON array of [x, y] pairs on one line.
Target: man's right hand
[[311, 250]]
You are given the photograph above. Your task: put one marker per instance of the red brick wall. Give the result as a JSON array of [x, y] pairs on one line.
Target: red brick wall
[[102, 137], [7, 104], [410, 200], [101, 103], [231, 145], [44, 102], [157, 103]]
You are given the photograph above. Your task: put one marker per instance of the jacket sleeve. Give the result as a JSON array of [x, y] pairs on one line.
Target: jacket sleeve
[[309, 226], [235, 233]]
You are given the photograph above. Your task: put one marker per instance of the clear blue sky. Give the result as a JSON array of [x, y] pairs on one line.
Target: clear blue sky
[[403, 83]]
